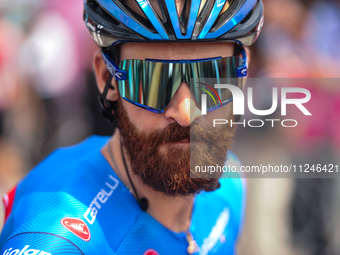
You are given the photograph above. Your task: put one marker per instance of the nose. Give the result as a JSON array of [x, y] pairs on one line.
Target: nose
[[183, 107]]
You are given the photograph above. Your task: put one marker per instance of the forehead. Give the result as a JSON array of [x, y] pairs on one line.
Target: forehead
[[176, 50]]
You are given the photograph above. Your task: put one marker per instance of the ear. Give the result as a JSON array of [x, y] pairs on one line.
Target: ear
[[102, 74]]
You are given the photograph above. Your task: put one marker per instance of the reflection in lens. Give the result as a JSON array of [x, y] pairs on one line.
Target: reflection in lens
[[153, 83]]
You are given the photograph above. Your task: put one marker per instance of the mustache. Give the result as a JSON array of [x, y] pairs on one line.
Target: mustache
[[175, 133]]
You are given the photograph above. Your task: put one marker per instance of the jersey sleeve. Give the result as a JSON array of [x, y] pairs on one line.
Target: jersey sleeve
[[31, 227], [39, 243]]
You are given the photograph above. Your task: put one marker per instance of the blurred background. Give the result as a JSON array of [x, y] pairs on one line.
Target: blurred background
[[48, 99]]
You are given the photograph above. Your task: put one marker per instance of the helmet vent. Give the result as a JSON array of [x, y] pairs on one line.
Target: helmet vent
[[247, 17], [226, 13], [204, 12], [133, 9]]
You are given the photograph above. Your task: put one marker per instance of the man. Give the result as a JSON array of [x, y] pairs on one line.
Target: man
[[133, 193]]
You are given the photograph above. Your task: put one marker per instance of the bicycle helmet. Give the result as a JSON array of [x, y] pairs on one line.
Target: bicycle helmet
[[113, 21]]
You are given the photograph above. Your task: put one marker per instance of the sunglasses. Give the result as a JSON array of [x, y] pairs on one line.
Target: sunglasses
[[152, 83]]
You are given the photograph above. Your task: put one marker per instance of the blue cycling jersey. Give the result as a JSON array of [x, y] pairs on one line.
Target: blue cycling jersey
[[74, 203]]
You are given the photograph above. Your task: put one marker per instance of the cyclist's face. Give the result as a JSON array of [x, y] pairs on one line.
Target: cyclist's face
[[158, 144]]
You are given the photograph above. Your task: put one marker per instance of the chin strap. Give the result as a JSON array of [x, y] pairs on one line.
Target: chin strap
[[108, 108]]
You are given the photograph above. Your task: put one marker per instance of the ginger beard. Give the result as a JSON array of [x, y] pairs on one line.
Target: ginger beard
[[169, 171]]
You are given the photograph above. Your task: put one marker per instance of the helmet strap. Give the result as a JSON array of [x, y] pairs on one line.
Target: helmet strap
[[237, 49], [108, 108]]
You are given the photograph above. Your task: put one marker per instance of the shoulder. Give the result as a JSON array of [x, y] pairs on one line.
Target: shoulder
[[63, 165], [52, 200]]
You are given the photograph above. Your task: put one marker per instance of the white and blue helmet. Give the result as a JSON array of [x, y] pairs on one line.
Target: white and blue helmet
[[113, 21]]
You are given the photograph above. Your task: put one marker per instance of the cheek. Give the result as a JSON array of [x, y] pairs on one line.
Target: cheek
[[144, 120], [223, 113]]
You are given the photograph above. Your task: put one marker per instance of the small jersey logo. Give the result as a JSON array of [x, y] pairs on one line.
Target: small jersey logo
[[25, 251], [8, 200], [150, 252], [77, 227]]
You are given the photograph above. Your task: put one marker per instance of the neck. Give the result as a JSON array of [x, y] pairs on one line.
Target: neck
[[172, 212]]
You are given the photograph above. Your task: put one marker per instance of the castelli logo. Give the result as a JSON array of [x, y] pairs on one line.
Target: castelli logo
[[77, 227], [151, 252]]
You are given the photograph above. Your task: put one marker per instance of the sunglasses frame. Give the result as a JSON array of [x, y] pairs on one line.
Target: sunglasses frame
[[120, 74]]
